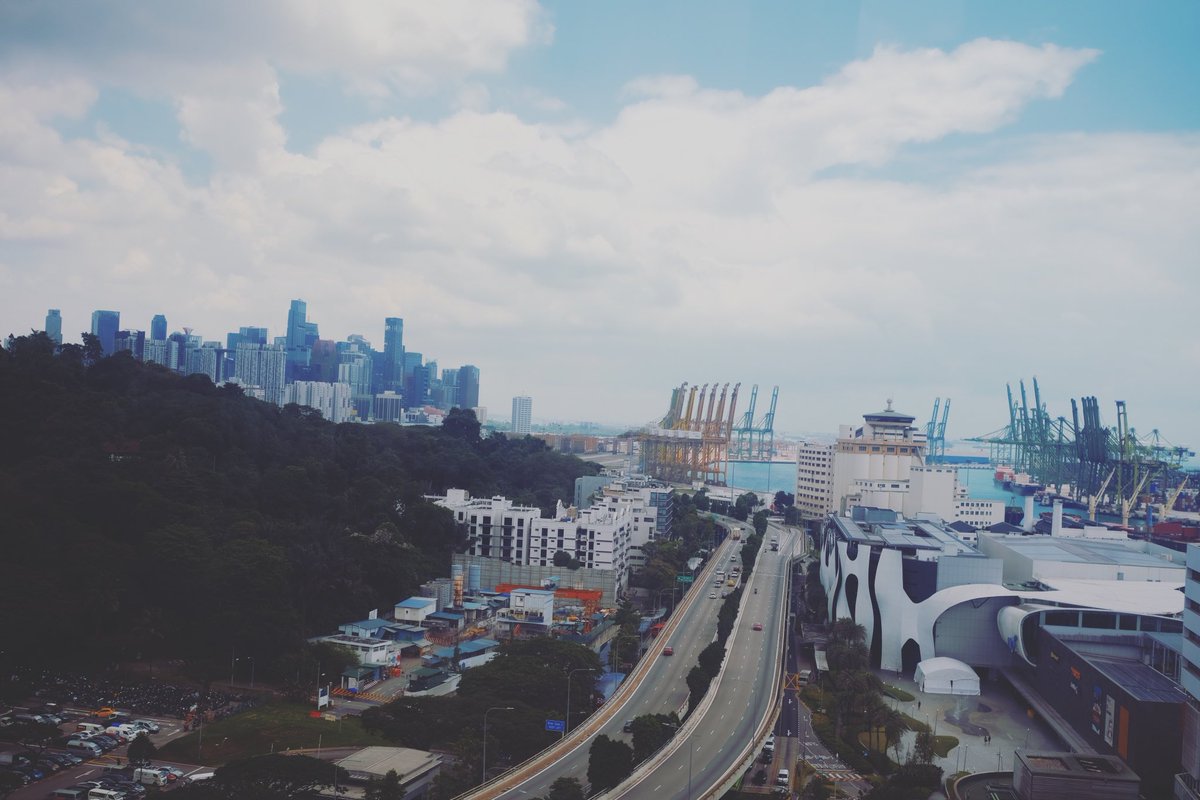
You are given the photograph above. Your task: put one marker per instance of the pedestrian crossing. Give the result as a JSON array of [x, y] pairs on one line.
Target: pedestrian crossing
[[372, 696], [839, 775]]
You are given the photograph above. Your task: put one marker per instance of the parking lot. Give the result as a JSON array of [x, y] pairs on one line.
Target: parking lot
[[96, 718]]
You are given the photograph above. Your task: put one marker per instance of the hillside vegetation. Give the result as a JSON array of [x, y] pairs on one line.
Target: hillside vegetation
[[149, 515]]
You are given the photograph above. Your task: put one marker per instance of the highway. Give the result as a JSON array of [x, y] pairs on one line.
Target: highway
[[715, 739], [661, 691]]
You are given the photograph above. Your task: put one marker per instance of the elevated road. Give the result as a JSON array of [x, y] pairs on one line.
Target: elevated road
[[709, 752], [659, 687]]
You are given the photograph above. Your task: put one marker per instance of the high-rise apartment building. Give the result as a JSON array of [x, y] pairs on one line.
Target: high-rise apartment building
[[54, 325], [132, 341], [158, 328], [468, 386], [331, 399], [522, 410], [264, 366], [104, 327]]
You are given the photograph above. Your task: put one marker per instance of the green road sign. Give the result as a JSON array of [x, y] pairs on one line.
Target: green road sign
[[684, 578]]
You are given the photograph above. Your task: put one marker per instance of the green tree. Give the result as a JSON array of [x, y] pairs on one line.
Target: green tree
[[386, 788], [286, 776], [923, 748], [461, 423], [565, 789], [760, 522], [701, 501], [141, 749], [9, 783], [791, 516], [610, 761], [650, 732]]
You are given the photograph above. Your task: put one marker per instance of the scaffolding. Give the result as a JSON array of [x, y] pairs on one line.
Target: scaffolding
[[691, 443], [1081, 457]]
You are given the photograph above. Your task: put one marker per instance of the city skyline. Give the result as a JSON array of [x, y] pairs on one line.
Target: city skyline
[[853, 201]]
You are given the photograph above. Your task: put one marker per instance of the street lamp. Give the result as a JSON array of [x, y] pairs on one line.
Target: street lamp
[[691, 749], [251, 660], [567, 721], [483, 765]]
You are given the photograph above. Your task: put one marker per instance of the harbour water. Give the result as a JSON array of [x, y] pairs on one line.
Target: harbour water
[[762, 477], [765, 479]]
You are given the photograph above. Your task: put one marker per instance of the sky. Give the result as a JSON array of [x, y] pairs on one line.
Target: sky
[[596, 202]]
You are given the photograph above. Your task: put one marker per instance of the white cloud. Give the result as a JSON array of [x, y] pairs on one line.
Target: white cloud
[[699, 235]]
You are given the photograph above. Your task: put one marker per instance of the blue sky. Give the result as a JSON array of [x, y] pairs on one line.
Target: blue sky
[[854, 200]]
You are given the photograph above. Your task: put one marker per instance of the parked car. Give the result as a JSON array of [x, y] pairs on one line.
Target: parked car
[[105, 712], [85, 746], [21, 776], [105, 741]]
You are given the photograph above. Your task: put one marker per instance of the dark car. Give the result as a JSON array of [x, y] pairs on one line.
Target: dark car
[[21, 776], [105, 742], [668, 651], [628, 726]]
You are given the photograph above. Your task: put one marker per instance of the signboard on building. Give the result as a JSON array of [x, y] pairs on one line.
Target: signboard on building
[[1110, 714]]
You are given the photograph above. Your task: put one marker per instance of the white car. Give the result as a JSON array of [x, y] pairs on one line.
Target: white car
[[146, 725], [712, 595]]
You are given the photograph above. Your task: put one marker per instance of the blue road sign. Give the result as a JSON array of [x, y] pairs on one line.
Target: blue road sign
[[556, 725]]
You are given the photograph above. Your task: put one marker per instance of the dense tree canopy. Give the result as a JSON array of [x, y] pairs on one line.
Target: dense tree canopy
[[164, 516]]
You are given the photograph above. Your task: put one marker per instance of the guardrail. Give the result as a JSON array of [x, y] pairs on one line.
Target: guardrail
[[516, 775], [745, 759]]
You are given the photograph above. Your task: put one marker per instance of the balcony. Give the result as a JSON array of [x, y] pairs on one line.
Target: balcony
[[1186, 787]]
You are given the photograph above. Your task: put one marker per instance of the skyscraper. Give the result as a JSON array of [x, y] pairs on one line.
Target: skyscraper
[[393, 353], [300, 337], [54, 325], [522, 410], [468, 386], [158, 328], [104, 328]]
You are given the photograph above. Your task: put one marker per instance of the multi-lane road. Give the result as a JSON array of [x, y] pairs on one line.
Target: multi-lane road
[[662, 689], [715, 740]]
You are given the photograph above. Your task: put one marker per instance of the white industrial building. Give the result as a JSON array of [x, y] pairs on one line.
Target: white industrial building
[[881, 464]]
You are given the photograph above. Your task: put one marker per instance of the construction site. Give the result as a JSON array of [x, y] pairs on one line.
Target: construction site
[[1103, 469]]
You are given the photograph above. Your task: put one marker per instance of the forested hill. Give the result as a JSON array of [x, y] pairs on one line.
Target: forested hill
[[143, 513]]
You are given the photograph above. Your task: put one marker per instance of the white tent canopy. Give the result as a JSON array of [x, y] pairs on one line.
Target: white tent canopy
[[946, 676]]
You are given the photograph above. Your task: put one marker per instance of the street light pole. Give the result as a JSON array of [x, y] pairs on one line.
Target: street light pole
[[251, 671], [483, 764], [567, 721]]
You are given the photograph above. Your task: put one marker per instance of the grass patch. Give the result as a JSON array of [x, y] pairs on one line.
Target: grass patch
[[897, 693], [915, 724], [264, 729], [942, 745]]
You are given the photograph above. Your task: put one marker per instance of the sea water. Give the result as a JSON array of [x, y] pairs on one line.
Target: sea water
[[764, 478]]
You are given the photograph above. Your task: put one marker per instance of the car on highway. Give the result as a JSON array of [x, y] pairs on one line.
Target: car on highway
[[757, 626], [146, 725], [628, 726], [668, 651], [712, 595], [105, 712]]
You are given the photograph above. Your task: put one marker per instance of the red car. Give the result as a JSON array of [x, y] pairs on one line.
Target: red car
[[757, 626], [668, 651]]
